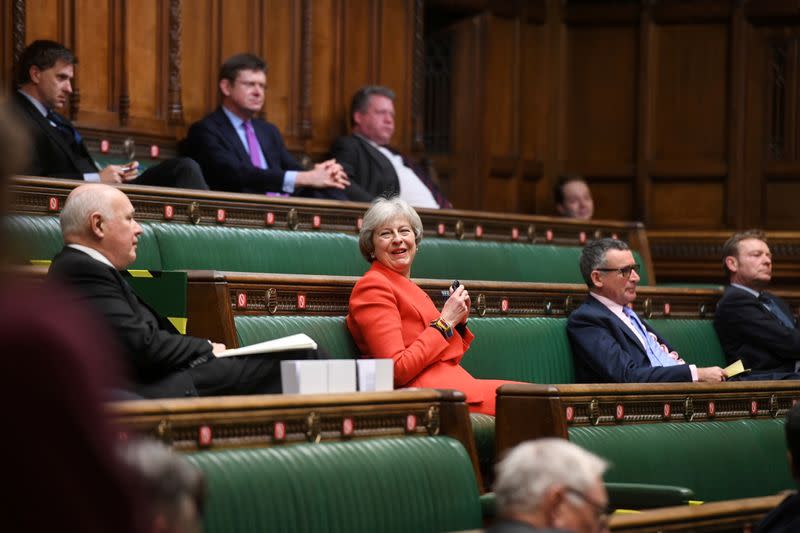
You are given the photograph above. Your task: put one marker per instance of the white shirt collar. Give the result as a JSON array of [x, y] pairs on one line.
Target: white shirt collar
[[36, 103], [91, 252], [748, 289]]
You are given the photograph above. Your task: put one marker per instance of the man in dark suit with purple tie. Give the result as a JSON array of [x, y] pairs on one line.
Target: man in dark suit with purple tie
[[241, 153], [752, 324]]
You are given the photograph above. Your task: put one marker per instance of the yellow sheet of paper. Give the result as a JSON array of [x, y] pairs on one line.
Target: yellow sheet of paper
[[734, 369]]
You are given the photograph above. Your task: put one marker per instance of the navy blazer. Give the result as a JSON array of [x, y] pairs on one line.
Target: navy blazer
[[215, 145], [52, 155], [748, 331], [605, 350]]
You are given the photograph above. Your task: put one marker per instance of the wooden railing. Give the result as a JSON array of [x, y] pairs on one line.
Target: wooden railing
[[190, 424], [214, 298], [729, 516], [696, 256], [530, 411], [43, 196]]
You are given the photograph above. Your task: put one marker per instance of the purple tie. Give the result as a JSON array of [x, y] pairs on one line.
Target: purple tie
[[252, 145]]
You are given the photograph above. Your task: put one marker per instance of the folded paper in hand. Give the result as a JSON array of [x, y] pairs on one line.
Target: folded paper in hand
[[735, 369], [301, 341]]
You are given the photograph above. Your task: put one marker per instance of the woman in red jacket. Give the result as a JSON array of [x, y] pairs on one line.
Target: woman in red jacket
[[390, 316]]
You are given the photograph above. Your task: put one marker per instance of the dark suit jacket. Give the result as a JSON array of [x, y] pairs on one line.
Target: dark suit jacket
[[154, 349], [605, 350], [372, 174], [214, 143], [748, 331], [163, 362], [52, 154], [785, 518]]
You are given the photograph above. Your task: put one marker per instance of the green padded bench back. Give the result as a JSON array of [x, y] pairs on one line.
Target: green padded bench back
[[167, 246], [388, 485], [717, 460], [521, 349], [498, 261], [330, 332], [39, 238], [253, 250], [695, 340], [33, 238]]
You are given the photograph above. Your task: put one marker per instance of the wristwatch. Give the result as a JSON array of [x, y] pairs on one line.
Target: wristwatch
[[444, 328]]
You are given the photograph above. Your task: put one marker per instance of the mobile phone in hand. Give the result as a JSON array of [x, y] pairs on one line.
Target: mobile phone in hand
[[453, 286]]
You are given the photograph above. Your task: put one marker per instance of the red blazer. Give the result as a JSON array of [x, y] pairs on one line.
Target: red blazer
[[390, 316]]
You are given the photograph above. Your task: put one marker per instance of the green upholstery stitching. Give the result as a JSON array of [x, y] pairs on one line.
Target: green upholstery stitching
[[330, 332], [389, 485], [185, 247], [39, 238], [520, 349], [695, 340], [252, 250], [717, 460]]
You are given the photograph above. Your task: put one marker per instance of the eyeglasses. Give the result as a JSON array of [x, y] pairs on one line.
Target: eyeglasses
[[625, 271], [601, 511]]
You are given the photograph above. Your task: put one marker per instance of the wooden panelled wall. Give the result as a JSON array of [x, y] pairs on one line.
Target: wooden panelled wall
[[150, 66], [681, 113]]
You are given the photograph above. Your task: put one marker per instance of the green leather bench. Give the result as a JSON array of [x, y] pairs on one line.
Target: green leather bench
[[717, 460], [167, 246], [521, 349], [388, 485]]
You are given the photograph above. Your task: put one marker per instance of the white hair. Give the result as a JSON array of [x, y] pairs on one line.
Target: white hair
[[532, 467], [380, 212], [81, 203]]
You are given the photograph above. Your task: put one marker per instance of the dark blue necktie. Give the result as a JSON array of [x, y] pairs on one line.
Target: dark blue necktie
[[64, 127], [773, 307]]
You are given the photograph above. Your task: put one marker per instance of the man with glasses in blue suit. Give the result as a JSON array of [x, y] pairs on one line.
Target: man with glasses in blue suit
[[612, 344]]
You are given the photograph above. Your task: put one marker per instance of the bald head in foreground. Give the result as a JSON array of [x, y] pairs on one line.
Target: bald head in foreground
[[101, 236], [550, 485]]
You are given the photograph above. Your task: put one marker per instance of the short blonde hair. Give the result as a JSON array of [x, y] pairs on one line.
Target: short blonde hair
[[380, 212]]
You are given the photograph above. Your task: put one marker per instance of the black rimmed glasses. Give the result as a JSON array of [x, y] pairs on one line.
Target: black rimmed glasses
[[602, 512], [625, 271]]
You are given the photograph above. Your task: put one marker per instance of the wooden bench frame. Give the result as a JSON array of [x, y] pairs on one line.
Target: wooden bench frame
[[45, 196], [730, 515], [696, 256], [214, 298], [190, 424], [531, 411]]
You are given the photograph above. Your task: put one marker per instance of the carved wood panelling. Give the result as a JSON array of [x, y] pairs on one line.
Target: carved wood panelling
[[681, 114]]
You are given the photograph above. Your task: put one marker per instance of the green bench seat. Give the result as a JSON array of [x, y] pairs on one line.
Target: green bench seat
[[388, 485], [521, 349], [167, 246], [717, 460]]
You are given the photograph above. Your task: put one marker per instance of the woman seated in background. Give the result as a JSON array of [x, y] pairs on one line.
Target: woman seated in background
[[390, 316]]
